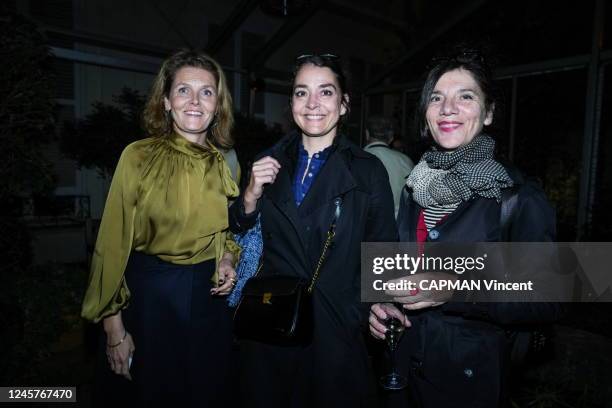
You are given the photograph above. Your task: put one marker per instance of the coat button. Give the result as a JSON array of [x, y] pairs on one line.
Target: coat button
[[417, 367], [468, 372], [434, 234]]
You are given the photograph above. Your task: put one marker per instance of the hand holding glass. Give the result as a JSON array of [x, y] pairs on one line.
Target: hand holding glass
[[393, 380]]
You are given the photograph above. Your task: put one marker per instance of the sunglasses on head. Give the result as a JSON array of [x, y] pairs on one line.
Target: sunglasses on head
[[324, 56], [463, 57]]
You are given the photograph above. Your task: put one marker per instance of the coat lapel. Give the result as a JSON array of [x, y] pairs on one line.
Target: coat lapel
[[412, 217], [335, 179], [280, 193]]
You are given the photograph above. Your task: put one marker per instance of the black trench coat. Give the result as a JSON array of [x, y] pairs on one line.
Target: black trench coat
[[457, 354], [333, 370]]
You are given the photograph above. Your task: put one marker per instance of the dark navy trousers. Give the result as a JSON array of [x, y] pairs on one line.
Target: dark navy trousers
[[182, 335]]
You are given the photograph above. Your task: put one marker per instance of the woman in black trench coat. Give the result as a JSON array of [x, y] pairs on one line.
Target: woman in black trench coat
[[294, 186]]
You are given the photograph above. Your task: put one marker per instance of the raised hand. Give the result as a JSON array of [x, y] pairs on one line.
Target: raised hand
[[263, 172]]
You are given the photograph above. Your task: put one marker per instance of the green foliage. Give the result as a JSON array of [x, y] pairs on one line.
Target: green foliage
[[98, 140], [562, 184], [15, 252], [26, 111], [47, 301], [32, 298]]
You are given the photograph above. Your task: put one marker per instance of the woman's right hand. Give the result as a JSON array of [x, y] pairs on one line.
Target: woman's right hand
[[119, 346], [264, 171], [380, 312], [422, 297]]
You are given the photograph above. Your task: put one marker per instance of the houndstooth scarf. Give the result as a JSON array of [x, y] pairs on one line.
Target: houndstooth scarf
[[444, 179]]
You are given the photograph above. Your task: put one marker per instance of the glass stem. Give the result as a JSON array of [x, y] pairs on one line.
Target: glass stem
[[393, 359]]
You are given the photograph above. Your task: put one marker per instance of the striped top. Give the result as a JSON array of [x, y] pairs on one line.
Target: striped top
[[433, 215]]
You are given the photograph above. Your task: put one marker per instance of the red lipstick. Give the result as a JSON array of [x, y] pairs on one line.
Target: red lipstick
[[448, 126]]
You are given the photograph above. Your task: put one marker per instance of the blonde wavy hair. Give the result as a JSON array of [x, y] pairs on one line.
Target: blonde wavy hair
[[158, 123]]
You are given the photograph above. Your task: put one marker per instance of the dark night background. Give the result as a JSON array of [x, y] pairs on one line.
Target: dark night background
[[75, 75]]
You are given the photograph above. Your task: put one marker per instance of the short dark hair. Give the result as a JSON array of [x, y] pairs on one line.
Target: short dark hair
[[380, 128], [464, 57], [333, 63]]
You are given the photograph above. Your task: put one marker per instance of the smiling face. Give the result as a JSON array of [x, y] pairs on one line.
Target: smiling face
[[192, 102], [316, 103], [456, 111]]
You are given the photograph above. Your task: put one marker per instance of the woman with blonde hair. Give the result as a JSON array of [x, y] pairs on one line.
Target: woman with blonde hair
[[163, 256]]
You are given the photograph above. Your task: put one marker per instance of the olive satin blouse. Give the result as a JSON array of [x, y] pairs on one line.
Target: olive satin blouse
[[168, 198]]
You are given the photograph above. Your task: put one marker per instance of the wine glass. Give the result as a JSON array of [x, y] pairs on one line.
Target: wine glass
[[393, 380]]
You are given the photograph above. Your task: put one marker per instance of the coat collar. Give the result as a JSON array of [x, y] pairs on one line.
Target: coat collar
[[376, 143], [412, 216], [335, 178], [285, 152], [287, 146]]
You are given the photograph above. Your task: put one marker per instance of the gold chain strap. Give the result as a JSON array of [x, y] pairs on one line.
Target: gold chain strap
[[331, 233], [330, 236]]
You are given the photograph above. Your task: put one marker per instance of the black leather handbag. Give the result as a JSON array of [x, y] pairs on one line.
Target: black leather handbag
[[277, 309]]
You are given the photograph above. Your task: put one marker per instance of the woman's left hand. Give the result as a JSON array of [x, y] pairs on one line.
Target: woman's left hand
[[227, 276]]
